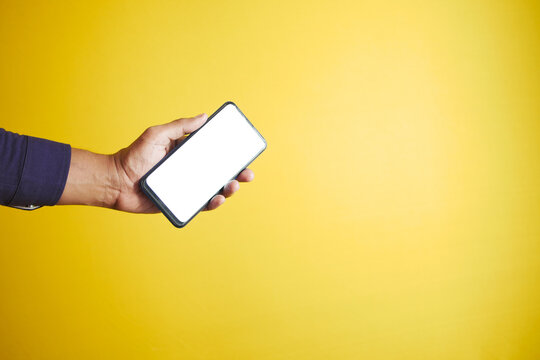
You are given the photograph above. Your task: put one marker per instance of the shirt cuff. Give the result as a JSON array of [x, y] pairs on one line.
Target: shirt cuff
[[44, 174]]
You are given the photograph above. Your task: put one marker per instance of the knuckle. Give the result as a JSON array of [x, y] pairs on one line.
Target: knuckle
[[151, 131], [180, 122]]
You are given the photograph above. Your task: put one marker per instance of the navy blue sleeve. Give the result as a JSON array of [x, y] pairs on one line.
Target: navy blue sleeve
[[33, 171]]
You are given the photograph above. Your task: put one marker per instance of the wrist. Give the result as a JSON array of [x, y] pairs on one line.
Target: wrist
[[92, 180], [112, 183]]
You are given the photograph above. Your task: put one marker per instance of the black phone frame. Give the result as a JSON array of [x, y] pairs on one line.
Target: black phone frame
[[147, 190]]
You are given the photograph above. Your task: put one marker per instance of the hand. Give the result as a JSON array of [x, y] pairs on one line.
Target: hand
[[134, 161], [113, 180]]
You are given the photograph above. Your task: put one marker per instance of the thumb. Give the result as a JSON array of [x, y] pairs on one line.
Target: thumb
[[178, 128]]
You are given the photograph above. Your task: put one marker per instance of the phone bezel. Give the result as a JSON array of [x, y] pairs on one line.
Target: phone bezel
[[147, 190]]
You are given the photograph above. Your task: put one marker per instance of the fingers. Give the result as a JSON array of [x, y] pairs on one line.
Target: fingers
[[233, 186], [178, 128], [228, 191], [246, 175], [230, 188], [215, 202]]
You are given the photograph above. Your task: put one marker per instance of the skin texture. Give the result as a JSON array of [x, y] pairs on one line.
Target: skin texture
[[112, 181]]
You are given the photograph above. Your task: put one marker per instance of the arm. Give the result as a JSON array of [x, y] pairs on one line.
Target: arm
[[112, 181], [33, 171]]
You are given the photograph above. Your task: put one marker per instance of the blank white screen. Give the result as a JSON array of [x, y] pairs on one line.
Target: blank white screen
[[206, 162]]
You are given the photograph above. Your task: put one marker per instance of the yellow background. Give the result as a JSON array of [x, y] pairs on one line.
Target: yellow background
[[394, 215]]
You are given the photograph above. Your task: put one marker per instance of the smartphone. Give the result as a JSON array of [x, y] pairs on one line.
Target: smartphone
[[185, 180]]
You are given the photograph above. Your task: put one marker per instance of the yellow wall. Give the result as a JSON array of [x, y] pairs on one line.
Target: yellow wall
[[394, 215]]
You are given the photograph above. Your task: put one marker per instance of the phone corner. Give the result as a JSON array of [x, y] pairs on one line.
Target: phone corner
[[229, 103], [142, 183], [178, 224]]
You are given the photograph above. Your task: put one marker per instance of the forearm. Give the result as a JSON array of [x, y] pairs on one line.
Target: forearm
[[92, 180]]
